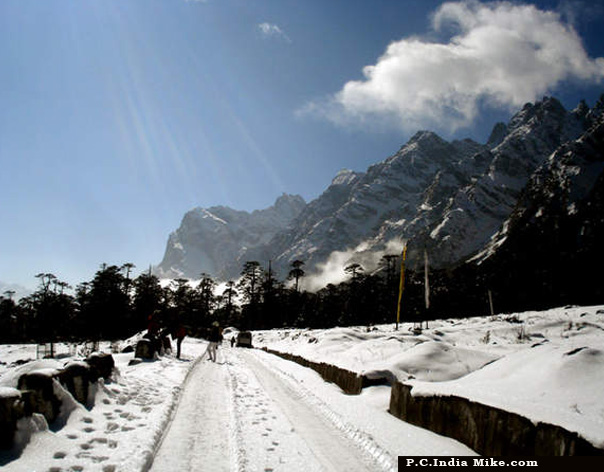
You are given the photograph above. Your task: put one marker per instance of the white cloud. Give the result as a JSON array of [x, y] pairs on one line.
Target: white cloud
[[502, 53], [367, 254], [269, 30]]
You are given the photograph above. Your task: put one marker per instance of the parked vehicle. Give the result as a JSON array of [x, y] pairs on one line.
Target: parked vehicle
[[244, 339]]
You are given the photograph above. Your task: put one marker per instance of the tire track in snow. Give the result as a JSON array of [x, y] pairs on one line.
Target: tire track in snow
[[264, 438], [243, 414], [336, 444], [380, 459], [196, 438]]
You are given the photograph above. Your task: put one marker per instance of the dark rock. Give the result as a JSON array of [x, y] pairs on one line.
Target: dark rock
[[76, 378], [144, 349], [11, 410], [101, 365], [39, 395]]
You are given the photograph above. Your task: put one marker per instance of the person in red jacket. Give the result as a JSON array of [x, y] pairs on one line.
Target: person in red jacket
[[180, 334]]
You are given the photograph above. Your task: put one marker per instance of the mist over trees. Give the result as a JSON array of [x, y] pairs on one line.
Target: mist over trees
[[113, 305]]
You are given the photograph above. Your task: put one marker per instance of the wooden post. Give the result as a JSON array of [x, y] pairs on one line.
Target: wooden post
[[401, 286], [426, 285], [491, 302]]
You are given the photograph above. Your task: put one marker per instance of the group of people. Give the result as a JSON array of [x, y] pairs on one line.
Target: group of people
[[158, 335]]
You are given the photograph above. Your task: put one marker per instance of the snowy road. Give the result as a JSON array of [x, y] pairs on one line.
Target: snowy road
[[240, 415], [251, 411]]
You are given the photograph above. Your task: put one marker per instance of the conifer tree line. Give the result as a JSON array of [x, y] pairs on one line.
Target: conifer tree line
[[114, 305]]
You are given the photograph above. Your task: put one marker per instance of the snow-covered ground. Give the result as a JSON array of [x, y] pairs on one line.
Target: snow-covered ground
[[547, 366], [254, 411]]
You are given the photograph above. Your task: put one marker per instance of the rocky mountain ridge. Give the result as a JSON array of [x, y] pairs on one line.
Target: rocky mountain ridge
[[549, 250], [209, 239], [449, 197]]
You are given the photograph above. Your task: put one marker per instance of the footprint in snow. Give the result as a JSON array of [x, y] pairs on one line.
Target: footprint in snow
[[111, 427], [128, 416], [109, 442], [60, 455]]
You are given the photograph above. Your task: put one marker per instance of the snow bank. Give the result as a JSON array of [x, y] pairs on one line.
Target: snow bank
[[122, 427], [546, 366]]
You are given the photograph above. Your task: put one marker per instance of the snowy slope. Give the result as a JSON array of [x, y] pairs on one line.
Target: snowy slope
[[549, 250], [259, 409], [477, 211], [547, 366], [381, 205]]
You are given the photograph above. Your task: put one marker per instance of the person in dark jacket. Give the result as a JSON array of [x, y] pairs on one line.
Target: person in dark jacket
[[215, 338], [179, 334]]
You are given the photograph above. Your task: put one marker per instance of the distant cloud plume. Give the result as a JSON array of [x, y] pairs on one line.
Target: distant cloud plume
[[366, 254], [501, 53], [269, 30]]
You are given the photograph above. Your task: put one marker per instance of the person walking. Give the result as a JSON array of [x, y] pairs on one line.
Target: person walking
[[180, 334], [215, 338]]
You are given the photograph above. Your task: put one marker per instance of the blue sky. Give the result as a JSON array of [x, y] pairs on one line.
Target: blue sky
[[118, 116]]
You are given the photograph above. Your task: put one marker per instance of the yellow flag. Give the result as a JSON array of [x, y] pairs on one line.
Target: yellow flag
[[401, 286]]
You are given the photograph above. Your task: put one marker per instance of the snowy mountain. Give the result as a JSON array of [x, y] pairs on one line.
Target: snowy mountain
[[450, 197], [550, 248], [367, 211], [477, 211], [209, 240]]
